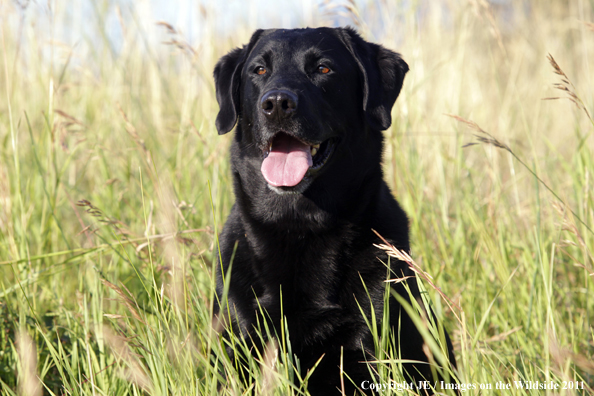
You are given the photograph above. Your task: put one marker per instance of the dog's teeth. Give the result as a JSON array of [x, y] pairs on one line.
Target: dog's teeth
[[314, 149]]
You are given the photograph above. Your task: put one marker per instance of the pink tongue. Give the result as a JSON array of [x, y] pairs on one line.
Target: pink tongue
[[287, 162]]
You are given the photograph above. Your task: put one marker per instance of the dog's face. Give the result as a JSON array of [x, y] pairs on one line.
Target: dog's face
[[306, 102]]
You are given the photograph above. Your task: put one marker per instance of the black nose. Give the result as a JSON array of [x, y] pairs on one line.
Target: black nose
[[278, 104]]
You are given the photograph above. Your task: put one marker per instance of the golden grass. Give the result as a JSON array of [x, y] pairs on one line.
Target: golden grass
[[114, 184]]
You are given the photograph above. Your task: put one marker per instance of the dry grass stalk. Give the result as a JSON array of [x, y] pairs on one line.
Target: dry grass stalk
[[128, 302], [121, 20], [561, 356], [483, 137], [69, 117], [29, 383], [177, 40], [197, 132], [166, 217], [567, 87], [268, 367], [102, 217], [486, 137], [134, 241], [182, 351], [405, 257], [568, 225], [484, 6], [6, 227], [342, 371], [500, 337], [347, 9], [134, 370], [139, 142]]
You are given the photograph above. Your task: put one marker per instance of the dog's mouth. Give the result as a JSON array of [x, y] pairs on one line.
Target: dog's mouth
[[289, 160]]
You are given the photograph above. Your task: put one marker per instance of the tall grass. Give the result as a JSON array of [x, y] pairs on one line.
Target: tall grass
[[114, 185]]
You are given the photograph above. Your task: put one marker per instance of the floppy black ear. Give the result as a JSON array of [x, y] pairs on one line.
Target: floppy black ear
[[382, 73], [227, 76]]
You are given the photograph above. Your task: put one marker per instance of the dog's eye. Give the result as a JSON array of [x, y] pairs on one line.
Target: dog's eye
[[323, 69], [260, 70]]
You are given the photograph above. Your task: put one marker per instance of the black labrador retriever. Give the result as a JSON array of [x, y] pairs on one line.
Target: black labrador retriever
[[310, 105]]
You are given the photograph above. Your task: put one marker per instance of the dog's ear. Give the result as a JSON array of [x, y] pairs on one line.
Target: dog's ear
[[382, 73], [227, 76]]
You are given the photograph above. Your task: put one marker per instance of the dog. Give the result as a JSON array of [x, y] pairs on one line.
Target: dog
[[298, 246]]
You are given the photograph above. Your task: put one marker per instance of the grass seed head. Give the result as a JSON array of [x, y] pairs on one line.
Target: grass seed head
[[29, 384]]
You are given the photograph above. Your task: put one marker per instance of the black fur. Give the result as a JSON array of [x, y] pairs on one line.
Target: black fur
[[314, 242]]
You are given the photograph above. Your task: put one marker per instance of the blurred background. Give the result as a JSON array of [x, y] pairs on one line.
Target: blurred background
[[111, 170]]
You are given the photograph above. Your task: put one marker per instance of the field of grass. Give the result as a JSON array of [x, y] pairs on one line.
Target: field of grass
[[114, 185]]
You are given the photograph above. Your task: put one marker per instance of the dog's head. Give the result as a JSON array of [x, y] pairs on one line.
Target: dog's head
[[306, 101]]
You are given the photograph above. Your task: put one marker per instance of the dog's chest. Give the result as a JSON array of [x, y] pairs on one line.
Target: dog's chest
[[305, 281]]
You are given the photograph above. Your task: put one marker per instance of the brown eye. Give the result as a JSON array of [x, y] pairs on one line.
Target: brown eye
[[260, 70], [323, 69]]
